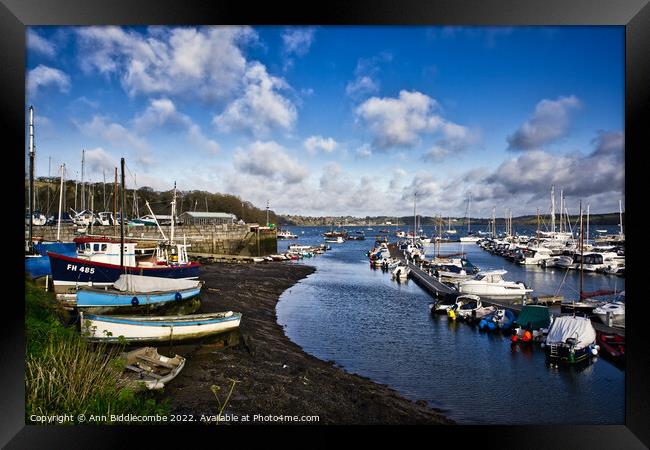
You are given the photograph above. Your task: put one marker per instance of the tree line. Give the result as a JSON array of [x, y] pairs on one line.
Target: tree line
[[100, 197]]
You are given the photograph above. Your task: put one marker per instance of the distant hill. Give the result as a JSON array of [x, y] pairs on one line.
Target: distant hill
[[594, 219]]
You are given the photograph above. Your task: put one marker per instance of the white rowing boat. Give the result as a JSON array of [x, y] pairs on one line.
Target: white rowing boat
[[113, 329]]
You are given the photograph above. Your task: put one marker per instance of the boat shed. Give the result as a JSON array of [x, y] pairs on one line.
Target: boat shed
[[206, 218]]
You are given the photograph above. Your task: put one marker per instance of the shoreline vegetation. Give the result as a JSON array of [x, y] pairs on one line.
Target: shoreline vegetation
[[64, 375], [263, 374]]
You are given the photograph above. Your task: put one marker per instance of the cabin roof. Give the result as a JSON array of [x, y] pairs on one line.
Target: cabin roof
[[209, 215]]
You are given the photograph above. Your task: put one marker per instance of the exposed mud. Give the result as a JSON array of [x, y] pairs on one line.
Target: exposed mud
[[275, 376]]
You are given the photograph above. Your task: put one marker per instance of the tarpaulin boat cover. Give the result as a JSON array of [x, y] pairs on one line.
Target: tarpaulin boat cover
[[140, 283], [534, 315], [565, 327]]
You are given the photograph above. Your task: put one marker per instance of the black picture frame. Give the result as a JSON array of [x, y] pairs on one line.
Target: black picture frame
[[634, 15]]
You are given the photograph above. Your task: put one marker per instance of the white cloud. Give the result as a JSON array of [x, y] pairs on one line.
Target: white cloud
[[97, 159], [364, 151], [43, 76], [361, 85], [365, 73], [260, 108], [549, 122], [162, 113], [297, 41], [399, 122], [270, 161], [205, 64], [39, 44], [196, 137], [315, 143]]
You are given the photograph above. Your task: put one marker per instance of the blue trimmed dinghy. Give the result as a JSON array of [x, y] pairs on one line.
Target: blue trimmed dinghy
[[138, 329], [131, 291]]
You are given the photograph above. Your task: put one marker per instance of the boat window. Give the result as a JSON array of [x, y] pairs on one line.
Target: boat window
[[96, 247], [104, 247]]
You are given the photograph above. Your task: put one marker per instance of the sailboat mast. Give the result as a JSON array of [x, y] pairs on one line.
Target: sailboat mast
[[582, 250], [31, 175], [83, 190], [620, 218], [415, 194], [122, 218], [538, 224], [58, 226], [587, 224], [469, 220], [553, 208], [115, 205], [173, 215]]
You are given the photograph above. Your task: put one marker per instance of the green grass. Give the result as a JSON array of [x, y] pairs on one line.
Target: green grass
[[65, 375]]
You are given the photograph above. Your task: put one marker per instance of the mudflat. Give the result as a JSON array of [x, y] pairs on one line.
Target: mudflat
[[273, 376]]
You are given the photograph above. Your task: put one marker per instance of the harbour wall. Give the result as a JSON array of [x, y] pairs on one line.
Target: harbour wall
[[227, 239]]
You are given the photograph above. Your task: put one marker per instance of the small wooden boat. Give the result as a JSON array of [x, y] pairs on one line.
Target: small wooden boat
[[145, 367], [115, 329], [612, 347]]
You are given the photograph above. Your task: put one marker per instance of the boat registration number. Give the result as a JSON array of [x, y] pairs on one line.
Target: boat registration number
[[75, 268]]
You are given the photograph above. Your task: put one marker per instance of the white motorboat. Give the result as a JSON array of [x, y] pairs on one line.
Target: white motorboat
[[338, 240], [401, 272], [286, 234], [491, 284], [469, 239], [612, 313], [535, 255]]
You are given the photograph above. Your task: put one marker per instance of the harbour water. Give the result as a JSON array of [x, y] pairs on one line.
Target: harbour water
[[373, 326]]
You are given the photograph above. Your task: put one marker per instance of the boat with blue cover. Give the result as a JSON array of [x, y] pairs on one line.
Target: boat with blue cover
[[134, 291], [37, 264]]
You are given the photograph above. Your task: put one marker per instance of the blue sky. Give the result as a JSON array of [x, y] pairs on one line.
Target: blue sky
[[339, 120]]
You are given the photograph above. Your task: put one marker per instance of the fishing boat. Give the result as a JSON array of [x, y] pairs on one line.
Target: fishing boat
[[130, 329], [97, 263], [135, 291], [570, 339], [612, 313], [612, 347], [491, 284], [146, 368], [532, 323]]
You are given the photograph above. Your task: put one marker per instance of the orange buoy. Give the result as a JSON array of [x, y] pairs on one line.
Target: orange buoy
[[527, 336]]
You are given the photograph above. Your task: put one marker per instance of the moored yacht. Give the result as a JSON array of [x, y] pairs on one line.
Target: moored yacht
[[491, 284]]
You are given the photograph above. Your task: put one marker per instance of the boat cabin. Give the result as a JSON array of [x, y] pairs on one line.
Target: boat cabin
[[105, 250]]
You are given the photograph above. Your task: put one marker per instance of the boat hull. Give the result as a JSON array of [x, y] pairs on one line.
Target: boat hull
[[114, 329], [69, 273], [96, 298]]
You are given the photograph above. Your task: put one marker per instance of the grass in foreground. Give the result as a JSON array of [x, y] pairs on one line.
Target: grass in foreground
[[65, 375]]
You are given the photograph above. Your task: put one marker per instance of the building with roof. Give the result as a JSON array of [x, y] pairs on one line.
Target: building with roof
[[206, 218]]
